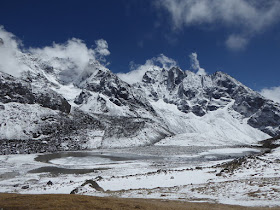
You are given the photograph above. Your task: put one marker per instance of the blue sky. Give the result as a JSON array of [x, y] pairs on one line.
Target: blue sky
[[239, 37]]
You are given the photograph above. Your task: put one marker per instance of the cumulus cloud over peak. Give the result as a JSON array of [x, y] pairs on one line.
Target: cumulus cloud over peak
[[246, 16], [138, 71], [195, 64], [70, 58], [157, 63], [9, 49], [271, 93], [102, 47], [163, 61], [10, 39], [75, 50]]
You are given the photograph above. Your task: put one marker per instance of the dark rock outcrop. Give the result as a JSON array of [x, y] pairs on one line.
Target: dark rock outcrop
[[16, 90]]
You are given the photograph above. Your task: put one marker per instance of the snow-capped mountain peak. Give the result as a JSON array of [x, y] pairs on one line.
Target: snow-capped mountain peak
[[87, 106]]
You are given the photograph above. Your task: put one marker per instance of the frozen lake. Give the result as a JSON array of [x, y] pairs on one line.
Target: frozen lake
[[163, 156]]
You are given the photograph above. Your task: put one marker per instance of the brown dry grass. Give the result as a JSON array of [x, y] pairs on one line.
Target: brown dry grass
[[16, 201]]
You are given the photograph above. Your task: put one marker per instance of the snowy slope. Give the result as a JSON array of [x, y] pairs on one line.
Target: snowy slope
[[219, 127]]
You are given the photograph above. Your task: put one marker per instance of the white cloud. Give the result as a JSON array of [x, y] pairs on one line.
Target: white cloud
[[271, 93], [63, 56], [9, 50], [157, 63], [137, 71], [236, 42], [102, 47], [250, 14], [74, 51], [164, 62], [70, 58], [248, 17], [195, 64]]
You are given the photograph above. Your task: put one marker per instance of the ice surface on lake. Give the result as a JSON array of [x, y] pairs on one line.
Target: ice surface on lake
[[81, 161], [229, 151]]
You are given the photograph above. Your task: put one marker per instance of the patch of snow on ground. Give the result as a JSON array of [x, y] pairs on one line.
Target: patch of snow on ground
[[168, 179]]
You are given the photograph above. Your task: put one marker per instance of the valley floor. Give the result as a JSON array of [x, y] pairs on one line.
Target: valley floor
[[228, 175]]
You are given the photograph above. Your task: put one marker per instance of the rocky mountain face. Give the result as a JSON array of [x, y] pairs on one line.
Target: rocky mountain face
[[43, 110], [201, 94], [20, 91], [109, 87]]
